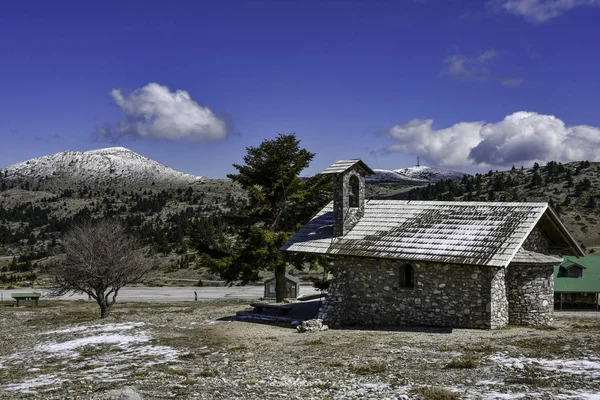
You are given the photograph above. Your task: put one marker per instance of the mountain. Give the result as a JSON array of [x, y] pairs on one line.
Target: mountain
[[110, 167], [430, 174], [414, 175]]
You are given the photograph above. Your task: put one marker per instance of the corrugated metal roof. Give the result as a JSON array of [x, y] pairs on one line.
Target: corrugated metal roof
[[474, 233], [571, 263], [343, 165], [588, 282]]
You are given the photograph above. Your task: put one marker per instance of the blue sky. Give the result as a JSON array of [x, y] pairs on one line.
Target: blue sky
[[466, 85]]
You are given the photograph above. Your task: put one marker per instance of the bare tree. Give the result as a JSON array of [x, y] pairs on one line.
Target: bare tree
[[98, 259]]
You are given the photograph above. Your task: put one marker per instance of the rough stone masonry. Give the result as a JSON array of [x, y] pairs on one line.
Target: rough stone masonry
[[368, 291]]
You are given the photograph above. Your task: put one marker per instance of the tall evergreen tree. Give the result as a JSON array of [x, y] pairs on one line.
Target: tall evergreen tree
[[278, 203]]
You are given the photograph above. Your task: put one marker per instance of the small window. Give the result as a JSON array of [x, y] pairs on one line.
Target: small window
[[575, 272], [271, 289], [406, 276], [354, 192]]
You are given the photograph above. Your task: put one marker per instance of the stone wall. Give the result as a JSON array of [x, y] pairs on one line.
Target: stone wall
[[499, 302], [366, 291], [536, 241], [345, 217], [530, 293]]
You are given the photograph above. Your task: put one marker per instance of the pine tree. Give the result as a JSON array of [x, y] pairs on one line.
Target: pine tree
[[278, 201], [536, 180], [591, 203]]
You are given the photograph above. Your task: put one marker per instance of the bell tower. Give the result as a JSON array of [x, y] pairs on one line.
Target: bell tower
[[348, 193]]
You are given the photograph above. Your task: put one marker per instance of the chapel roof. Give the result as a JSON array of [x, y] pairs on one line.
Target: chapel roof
[[473, 233]]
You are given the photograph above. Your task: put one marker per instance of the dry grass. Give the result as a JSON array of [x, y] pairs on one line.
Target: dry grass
[[224, 360], [435, 393], [369, 369], [464, 362]]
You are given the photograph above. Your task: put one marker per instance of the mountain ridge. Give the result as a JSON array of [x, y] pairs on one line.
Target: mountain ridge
[[112, 166], [415, 175]]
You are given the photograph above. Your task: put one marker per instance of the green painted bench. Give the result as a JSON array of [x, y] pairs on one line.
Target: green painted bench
[[26, 298]]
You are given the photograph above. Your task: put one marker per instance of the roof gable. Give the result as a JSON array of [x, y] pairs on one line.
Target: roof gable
[[571, 263], [561, 239], [475, 233], [342, 166]]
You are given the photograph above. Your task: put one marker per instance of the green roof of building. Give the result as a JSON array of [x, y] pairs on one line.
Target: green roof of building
[[25, 295], [589, 282]]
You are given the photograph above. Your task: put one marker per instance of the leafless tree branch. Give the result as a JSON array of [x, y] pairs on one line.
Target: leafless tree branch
[[98, 259]]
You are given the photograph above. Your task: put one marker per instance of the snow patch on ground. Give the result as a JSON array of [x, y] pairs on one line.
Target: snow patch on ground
[[95, 328], [66, 349], [589, 367], [105, 353], [28, 385]]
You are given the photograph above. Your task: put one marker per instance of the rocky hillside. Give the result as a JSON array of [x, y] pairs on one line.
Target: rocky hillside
[[184, 222], [572, 189], [113, 167]]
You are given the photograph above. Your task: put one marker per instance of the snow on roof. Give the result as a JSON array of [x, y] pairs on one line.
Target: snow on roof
[[474, 233]]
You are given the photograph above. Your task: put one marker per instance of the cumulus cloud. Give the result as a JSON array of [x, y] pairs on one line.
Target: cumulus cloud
[[153, 111], [520, 138], [539, 11]]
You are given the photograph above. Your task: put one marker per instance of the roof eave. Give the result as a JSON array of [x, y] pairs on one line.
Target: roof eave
[[359, 162]]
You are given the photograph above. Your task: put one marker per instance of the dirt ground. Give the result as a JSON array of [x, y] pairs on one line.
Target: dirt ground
[[193, 351]]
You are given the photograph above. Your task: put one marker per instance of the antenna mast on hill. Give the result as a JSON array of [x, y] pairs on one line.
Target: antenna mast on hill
[[418, 161]]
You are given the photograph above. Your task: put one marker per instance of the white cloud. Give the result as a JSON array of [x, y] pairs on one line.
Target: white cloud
[[153, 111], [461, 67], [520, 138], [487, 55], [512, 81], [541, 10]]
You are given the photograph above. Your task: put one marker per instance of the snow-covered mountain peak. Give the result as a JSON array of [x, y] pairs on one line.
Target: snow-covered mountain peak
[[113, 167], [417, 174], [110, 150], [431, 174]]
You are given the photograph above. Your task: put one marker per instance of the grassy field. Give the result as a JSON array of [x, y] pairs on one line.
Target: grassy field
[[193, 350]]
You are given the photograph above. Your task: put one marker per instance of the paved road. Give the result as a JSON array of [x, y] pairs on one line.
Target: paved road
[[577, 313], [165, 294]]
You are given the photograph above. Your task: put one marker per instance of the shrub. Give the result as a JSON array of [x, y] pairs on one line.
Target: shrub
[[435, 393], [369, 369], [466, 361]]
